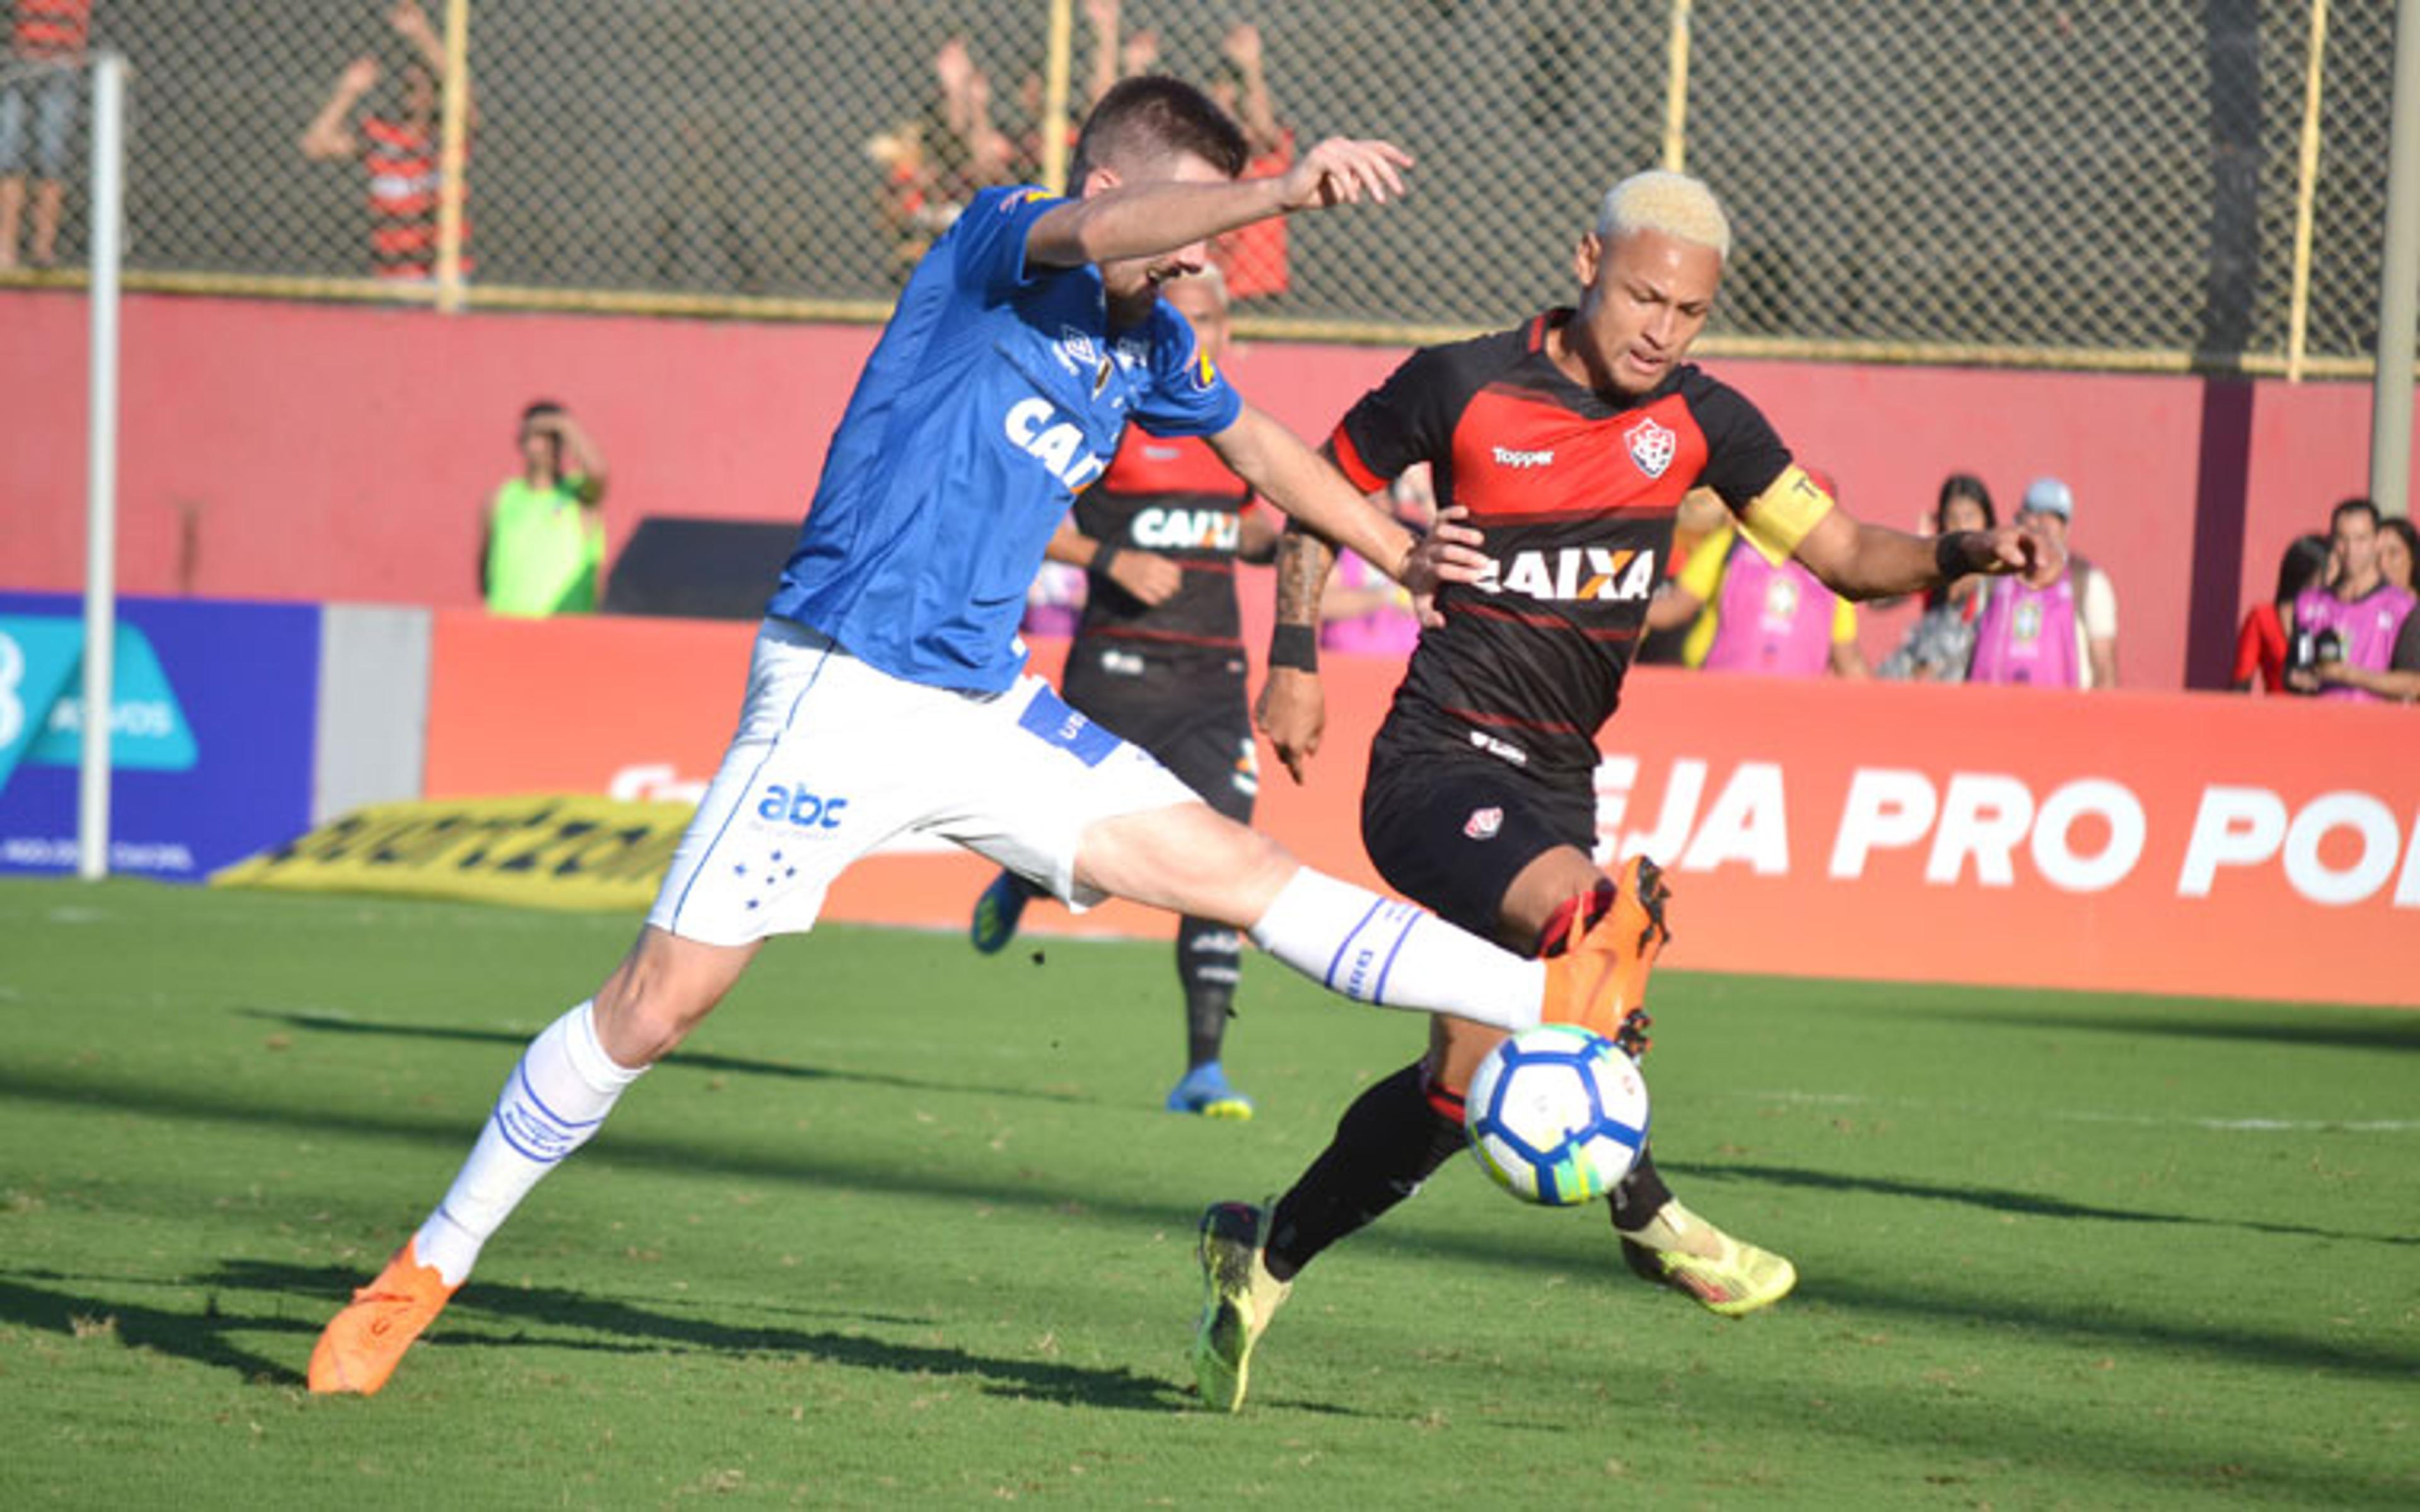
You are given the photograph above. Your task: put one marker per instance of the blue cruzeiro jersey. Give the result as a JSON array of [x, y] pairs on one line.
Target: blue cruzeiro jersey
[[995, 396]]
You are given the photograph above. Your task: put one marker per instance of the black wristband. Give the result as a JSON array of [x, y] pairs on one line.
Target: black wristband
[[1104, 553], [1949, 555], [1295, 647]]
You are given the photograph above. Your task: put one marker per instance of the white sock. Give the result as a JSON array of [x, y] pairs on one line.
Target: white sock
[[553, 1101], [1376, 950]]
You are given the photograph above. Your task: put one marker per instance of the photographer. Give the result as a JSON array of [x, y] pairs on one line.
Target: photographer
[[2357, 637]]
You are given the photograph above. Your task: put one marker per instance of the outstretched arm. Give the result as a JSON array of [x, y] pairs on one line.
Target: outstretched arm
[[412, 23], [330, 135], [1146, 219], [1308, 487], [1858, 561]]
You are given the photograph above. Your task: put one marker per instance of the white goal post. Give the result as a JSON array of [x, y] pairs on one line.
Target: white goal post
[[108, 217]]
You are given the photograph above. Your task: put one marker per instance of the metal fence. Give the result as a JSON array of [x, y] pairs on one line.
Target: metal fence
[[2123, 184]]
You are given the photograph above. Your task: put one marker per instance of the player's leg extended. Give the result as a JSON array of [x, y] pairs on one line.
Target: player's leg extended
[[1509, 872], [557, 1096], [748, 866], [1563, 896], [1192, 860]]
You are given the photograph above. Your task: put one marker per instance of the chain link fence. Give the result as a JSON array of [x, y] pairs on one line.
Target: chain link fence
[[2115, 184]]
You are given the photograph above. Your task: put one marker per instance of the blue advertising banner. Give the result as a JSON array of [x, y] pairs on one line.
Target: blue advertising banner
[[212, 725]]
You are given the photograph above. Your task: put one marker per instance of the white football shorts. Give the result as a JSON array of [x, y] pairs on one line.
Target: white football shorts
[[834, 758]]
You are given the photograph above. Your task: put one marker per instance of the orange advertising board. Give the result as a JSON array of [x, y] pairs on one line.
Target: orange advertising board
[[2161, 842]]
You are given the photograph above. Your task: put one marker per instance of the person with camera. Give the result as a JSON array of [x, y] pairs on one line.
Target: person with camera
[[2355, 637]]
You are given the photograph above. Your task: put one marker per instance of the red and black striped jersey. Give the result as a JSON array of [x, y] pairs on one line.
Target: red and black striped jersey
[[406, 178], [1173, 496], [52, 28], [1575, 490]]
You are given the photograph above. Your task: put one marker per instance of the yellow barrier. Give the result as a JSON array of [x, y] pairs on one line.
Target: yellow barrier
[[548, 852]]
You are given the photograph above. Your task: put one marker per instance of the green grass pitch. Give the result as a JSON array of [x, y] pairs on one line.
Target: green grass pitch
[[906, 1227]]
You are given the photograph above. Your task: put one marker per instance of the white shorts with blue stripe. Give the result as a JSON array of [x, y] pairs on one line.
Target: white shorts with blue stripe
[[834, 758]]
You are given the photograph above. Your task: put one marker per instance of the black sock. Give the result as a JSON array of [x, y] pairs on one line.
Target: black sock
[[1389, 1142], [1207, 955], [1640, 1195]]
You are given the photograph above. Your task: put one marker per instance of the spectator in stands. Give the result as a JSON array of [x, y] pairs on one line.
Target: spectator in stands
[[2057, 632], [1748, 613], [1362, 609], [38, 97], [545, 551], [1940, 642], [2260, 645], [933, 164], [400, 143], [2399, 552], [2356, 638], [1253, 259]]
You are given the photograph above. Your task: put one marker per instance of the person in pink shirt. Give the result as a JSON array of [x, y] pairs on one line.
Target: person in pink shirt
[[2055, 632], [2356, 638], [1755, 615]]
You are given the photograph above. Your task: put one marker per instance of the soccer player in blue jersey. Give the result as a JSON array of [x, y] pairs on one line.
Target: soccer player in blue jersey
[[887, 695]]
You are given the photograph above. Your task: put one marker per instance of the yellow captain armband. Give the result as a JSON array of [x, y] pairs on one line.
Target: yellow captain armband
[[1775, 521]]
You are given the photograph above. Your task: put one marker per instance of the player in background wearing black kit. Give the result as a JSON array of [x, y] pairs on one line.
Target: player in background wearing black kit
[[1158, 658], [1563, 449]]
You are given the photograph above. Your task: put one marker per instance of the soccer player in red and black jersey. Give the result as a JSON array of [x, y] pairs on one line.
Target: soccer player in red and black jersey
[[1561, 449], [1158, 658]]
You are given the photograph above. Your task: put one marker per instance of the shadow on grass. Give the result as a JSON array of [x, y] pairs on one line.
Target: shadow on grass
[[808, 1164], [2385, 1029], [2028, 1204], [515, 1041], [534, 1317], [197, 1336]]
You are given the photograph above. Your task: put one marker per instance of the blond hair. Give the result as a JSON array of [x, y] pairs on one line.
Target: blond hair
[[1681, 207]]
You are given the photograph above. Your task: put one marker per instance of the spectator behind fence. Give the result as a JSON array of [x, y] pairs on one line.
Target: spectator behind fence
[[2260, 645], [1253, 257], [1362, 609], [2356, 638], [1940, 642], [545, 551], [934, 162], [2057, 632], [1748, 613], [399, 144], [38, 97]]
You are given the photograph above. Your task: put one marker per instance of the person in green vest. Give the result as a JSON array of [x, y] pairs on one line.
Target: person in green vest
[[545, 551]]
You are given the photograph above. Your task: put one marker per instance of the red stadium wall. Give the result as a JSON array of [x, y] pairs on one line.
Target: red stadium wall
[[296, 451]]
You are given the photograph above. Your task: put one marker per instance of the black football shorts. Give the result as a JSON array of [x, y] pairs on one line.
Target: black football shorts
[[1451, 831]]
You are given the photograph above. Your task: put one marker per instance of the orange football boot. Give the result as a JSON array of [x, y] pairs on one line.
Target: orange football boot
[[361, 1345]]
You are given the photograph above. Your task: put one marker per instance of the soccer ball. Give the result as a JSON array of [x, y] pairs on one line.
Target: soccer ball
[[1557, 1115]]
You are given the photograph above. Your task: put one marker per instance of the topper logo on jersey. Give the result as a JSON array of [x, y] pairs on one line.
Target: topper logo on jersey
[[1652, 446], [1034, 427], [1507, 458], [1573, 575], [1200, 529]]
